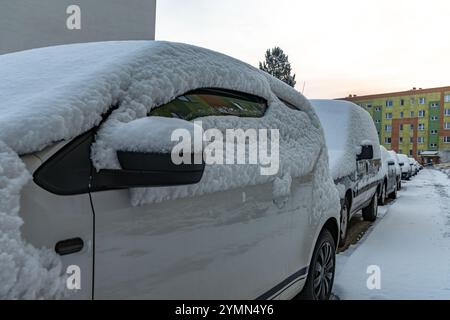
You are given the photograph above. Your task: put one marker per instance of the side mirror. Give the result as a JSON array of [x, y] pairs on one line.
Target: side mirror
[[391, 163], [401, 164], [366, 153], [144, 150], [141, 170]]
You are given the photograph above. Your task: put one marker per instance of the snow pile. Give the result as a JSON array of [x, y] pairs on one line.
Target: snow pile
[[347, 127], [25, 272]]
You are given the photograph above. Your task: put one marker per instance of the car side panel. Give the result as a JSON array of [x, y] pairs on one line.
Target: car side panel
[[236, 244]]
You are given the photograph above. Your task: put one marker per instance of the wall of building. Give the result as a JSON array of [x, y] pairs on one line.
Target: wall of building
[[27, 24], [413, 121]]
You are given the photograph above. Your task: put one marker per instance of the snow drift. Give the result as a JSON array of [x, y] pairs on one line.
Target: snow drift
[[54, 94]]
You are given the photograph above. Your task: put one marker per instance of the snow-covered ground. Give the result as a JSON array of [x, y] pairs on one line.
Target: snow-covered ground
[[410, 244]]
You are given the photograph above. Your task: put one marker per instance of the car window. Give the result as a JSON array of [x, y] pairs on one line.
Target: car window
[[212, 102]]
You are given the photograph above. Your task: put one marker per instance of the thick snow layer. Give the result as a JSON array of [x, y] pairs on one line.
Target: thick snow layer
[[405, 160], [395, 158], [410, 245], [385, 158], [347, 127], [25, 272], [54, 94]]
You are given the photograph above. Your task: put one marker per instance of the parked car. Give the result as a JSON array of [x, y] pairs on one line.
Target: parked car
[[388, 177], [398, 169], [414, 167], [106, 190], [355, 160], [406, 167]]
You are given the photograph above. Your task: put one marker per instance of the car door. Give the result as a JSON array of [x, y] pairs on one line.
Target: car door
[[235, 244]]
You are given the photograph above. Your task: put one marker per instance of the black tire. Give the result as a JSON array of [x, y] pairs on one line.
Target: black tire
[[393, 195], [399, 185], [370, 213], [345, 221], [324, 254], [382, 196]]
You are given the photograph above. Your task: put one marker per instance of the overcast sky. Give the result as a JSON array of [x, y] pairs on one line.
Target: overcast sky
[[336, 47]]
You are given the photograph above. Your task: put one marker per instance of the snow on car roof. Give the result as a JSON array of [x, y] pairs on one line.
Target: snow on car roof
[[347, 126], [67, 88]]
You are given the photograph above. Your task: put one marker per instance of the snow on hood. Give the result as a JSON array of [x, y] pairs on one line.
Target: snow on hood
[[57, 93], [347, 127]]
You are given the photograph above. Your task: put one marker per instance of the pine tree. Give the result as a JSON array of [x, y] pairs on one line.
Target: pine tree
[[277, 64]]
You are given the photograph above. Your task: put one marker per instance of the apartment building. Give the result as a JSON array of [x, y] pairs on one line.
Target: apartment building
[[414, 122]]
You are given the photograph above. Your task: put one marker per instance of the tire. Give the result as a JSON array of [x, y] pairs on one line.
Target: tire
[[393, 195], [383, 196], [370, 213], [399, 185], [345, 220], [321, 270]]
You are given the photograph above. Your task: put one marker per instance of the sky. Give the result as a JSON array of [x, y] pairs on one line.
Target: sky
[[336, 47]]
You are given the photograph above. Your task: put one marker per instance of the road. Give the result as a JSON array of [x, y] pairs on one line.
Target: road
[[407, 251]]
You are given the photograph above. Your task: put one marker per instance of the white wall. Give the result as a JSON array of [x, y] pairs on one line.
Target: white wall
[[26, 24]]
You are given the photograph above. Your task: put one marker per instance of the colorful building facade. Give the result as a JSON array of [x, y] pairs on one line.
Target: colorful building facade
[[413, 122]]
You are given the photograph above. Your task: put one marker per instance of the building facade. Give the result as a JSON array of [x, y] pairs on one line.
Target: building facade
[[29, 24], [411, 122]]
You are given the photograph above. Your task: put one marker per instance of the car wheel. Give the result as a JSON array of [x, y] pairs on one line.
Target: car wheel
[[382, 198], [319, 284], [345, 219], [370, 213], [393, 195], [399, 185]]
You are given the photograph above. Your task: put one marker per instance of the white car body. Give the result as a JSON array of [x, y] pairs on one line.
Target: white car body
[[241, 243], [406, 166]]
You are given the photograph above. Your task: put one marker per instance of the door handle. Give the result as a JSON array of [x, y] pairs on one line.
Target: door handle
[[69, 246]]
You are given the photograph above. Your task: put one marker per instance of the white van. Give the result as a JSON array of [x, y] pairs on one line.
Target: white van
[[93, 124], [355, 159]]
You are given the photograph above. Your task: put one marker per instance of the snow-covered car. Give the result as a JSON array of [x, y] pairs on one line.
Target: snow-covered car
[[414, 166], [88, 138], [406, 166], [355, 159], [388, 177], [398, 169]]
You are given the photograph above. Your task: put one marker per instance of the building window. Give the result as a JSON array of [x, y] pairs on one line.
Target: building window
[[411, 153], [435, 105], [400, 140], [421, 140], [377, 121], [422, 127], [387, 140], [434, 118], [402, 115], [446, 139], [412, 114], [377, 109], [422, 114], [402, 102], [369, 106], [447, 125], [447, 112], [389, 103], [422, 101], [412, 127], [388, 128], [400, 151], [434, 132], [388, 116], [401, 127], [447, 98], [413, 101], [411, 140]]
